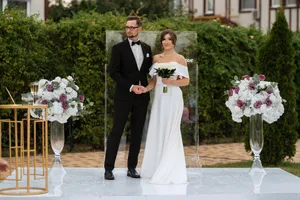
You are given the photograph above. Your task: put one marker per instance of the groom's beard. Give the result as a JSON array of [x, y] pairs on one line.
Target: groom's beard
[[132, 36]]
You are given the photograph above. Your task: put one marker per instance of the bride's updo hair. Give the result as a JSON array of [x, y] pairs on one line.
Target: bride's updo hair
[[172, 35]]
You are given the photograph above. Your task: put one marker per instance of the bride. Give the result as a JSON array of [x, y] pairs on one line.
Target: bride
[[164, 161]]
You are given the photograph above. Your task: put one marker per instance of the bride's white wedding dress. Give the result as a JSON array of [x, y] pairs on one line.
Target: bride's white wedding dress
[[164, 161]]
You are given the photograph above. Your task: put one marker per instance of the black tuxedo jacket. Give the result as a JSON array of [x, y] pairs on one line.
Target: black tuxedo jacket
[[124, 71]]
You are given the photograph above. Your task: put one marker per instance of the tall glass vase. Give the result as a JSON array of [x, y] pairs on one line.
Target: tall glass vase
[[57, 138], [256, 142]]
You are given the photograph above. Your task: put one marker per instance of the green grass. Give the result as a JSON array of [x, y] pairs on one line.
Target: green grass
[[293, 168]]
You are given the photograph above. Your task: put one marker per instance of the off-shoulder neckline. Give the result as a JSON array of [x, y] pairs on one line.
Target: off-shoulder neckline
[[170, 62]]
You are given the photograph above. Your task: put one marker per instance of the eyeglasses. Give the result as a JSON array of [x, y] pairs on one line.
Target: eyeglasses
[[131, 27]]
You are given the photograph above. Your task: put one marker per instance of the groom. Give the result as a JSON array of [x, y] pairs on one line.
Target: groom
[[129, 65]]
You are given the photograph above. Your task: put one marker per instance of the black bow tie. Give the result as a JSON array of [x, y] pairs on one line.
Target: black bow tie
[[137, 43]]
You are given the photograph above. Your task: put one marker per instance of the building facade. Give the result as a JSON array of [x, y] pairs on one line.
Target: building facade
[[30, 6], [259, 13]]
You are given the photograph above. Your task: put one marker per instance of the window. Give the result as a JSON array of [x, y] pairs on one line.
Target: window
[[17, 4], [291, 2], [176, 4], [21, 4], [209, 7], [248, 4], [276, 3]]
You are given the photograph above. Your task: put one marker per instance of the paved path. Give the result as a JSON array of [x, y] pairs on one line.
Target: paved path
[[209, 155]]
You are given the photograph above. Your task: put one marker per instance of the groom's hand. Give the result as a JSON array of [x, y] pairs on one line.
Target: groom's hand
[[138, 89]]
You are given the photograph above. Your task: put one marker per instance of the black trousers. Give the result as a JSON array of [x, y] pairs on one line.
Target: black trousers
[[122, 109]]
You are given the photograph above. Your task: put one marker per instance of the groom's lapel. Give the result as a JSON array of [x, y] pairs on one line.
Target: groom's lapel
[[144, 53]]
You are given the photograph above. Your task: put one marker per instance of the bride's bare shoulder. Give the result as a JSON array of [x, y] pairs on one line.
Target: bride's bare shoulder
[[156, 58], [181, 59]]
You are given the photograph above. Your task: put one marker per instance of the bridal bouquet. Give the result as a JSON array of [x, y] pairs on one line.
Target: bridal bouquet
[[165, 70], [61, 96], [253, 95]]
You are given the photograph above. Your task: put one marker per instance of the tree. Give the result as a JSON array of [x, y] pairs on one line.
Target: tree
[[153, 9], [276, 62]]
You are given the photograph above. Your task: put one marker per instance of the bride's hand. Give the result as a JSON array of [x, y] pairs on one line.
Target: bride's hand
[[167, 81], [144, 90]]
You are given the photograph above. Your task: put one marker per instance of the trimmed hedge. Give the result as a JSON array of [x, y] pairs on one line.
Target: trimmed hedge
[[30, 50]]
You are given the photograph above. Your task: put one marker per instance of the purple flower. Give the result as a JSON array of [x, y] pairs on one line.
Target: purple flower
[[65, 105], [81, 98], [237, 89], [261, 77], [63, 98], [49, 88], [44, 102], [251, 86], [268, 102], [246, 77], [240, 103], [257, 104], [230, 92], [270, 91]]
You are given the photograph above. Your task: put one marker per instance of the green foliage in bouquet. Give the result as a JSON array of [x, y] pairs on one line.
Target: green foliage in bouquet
[[164, 72]]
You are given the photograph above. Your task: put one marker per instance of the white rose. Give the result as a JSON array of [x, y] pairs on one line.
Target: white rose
[[73, 94], [70, 78], [58, 92], [62, 85], [69, 90], [73, 110], [165, 66], [42, 83], [65, 81], [57, 108], [73, 103], [57, 79], [47, 95]]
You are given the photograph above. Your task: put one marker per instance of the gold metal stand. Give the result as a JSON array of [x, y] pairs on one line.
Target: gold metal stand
[[28, 171]]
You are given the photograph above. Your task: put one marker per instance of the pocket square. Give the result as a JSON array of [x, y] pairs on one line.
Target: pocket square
[[147, 55]]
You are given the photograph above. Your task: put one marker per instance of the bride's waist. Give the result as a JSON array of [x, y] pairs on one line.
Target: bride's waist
[[169, 86]]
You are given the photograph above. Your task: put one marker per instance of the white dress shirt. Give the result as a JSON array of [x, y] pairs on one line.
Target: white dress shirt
[[138, 55]]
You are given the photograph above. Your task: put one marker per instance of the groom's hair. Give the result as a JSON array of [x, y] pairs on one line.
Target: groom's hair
[[171, 33], [136, 18]]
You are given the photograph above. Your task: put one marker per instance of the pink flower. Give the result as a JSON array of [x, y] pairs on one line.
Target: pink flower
[[246, 77], [81, 98], [44, 102], [65, 105], [268, 102], [257, 104], [237, 89], [49, 88], [240, 103], [63, 98], [251, 86], [261, 77], [230, 92]]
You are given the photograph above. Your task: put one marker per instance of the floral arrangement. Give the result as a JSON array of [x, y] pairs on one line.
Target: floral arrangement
[[61, 96], [253, 95], [165, 70]]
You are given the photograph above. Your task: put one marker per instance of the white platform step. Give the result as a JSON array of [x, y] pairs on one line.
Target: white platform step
[[204, 184]]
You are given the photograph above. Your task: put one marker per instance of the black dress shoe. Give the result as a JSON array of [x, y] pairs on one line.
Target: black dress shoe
[[133, 173], [108, 175]]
